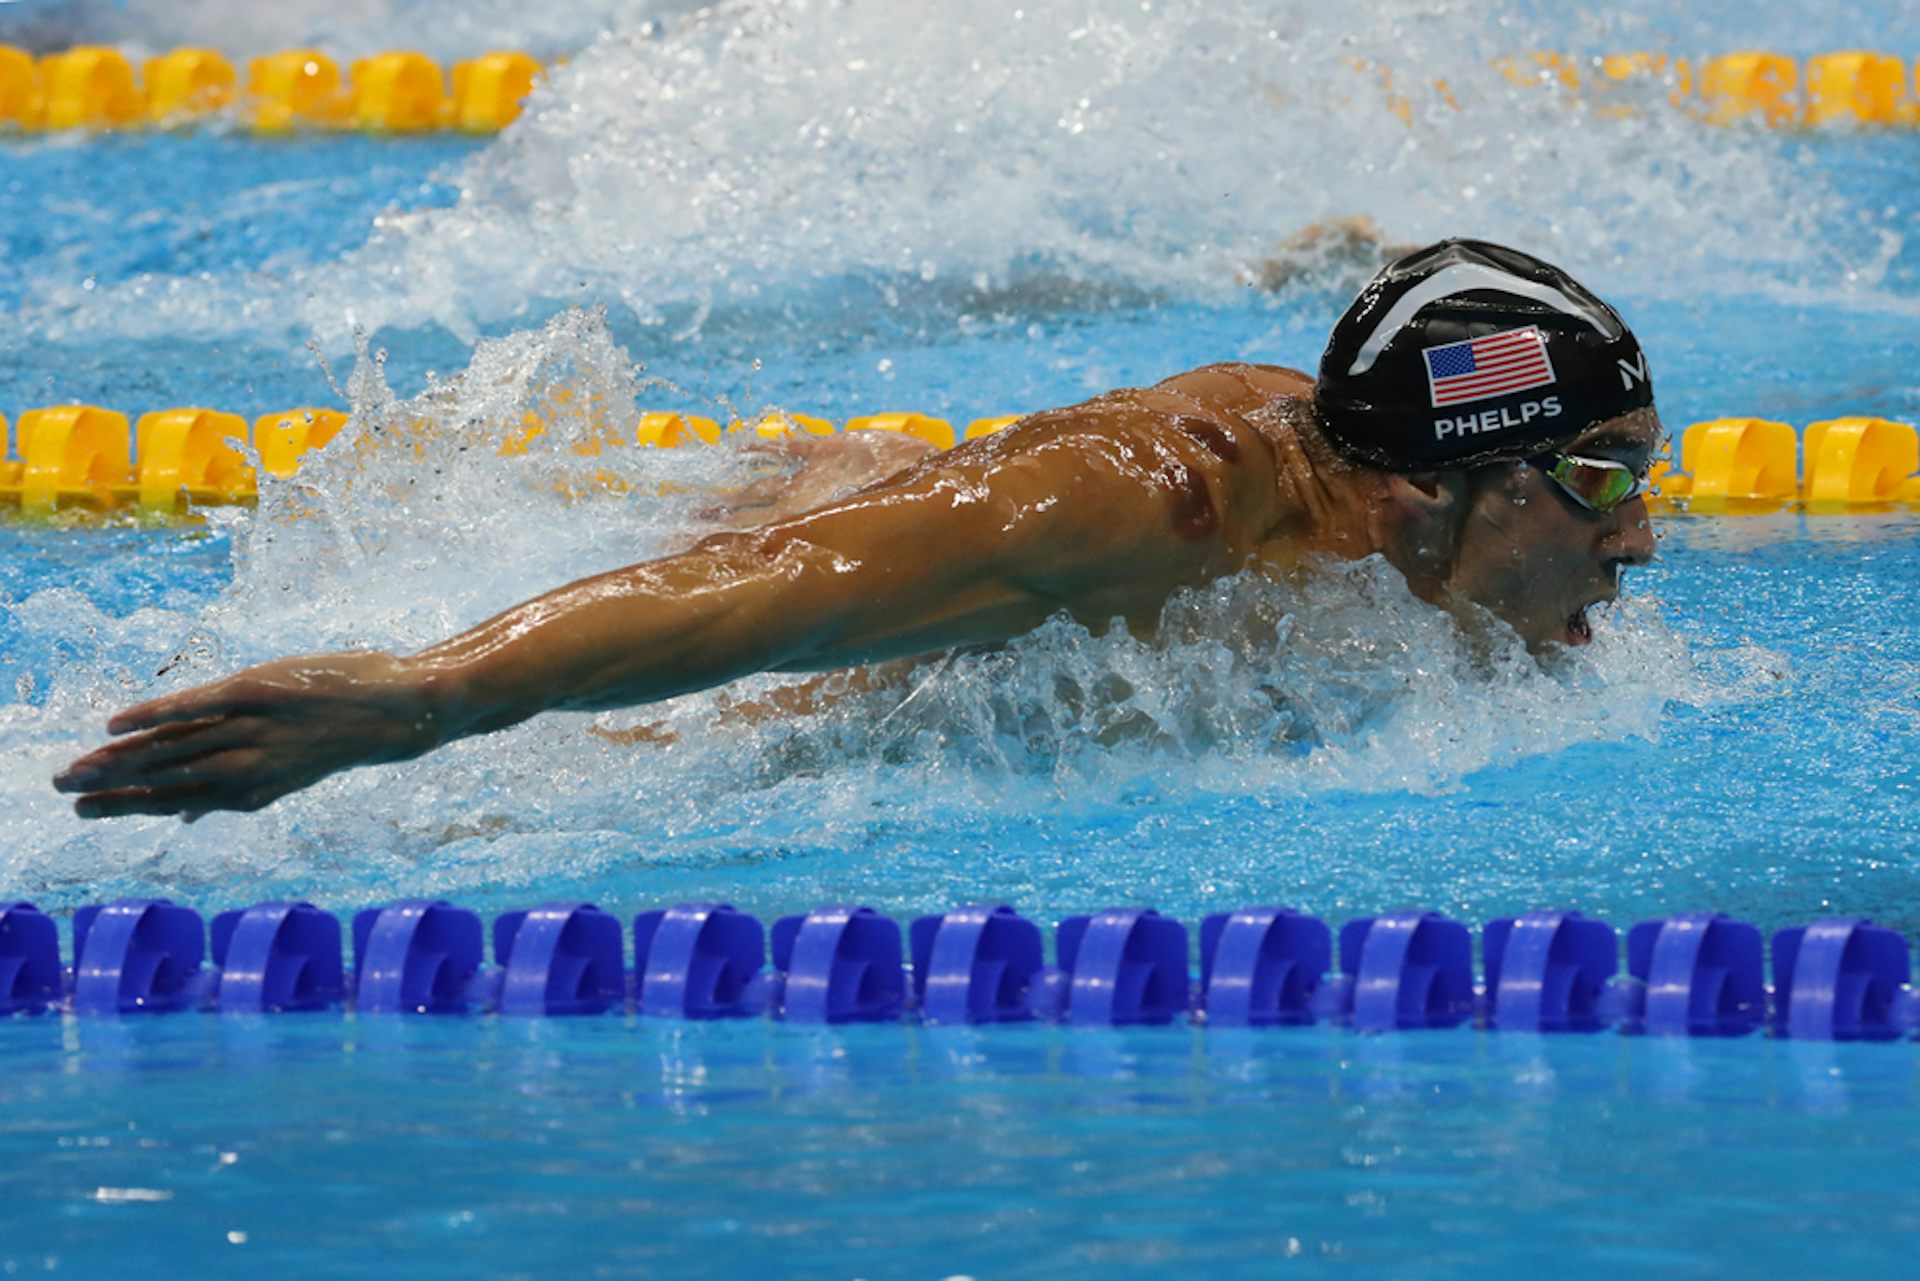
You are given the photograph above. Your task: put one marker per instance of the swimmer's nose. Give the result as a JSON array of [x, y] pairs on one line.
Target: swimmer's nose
[[1631, 543]]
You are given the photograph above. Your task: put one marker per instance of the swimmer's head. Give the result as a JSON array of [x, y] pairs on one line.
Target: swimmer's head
[[1468, 352]]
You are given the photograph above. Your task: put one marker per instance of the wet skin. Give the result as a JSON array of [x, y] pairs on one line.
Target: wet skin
[[1098, 511]]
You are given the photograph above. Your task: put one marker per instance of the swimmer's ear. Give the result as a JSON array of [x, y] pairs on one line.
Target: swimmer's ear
[[1425, 499], [1419, 519], [1428, 513]]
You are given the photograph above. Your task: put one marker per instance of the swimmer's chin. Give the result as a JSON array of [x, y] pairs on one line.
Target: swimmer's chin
[[1542, 639], [1574, 632]]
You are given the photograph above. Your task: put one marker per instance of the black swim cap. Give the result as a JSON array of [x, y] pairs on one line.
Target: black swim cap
[[1468, 352]]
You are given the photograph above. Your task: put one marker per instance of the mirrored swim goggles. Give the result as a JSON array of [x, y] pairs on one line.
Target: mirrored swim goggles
[[1597, 484]]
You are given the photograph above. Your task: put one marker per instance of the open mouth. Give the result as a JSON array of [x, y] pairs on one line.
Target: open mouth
[[1579, 626]]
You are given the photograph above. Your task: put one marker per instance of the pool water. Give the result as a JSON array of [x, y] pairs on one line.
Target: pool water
[[1741, 736], [312, 1147]]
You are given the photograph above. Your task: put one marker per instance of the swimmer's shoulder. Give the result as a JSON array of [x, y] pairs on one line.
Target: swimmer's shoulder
[[1240, 388], [1236, 398], [1207, 437], [1244, 402]]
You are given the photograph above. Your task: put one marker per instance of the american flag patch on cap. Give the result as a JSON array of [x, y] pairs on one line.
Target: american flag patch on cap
[[1491, 365]]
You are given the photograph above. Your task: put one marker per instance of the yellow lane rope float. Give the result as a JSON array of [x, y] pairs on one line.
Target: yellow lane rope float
[[86, 458], [1851, 88], [95, 87], [404, 91]]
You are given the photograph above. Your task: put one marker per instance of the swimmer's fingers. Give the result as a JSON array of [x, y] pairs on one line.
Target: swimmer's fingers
[[232, 780], [123, 801], [127, 762], [241, 778], [222, 698], [243, 742]]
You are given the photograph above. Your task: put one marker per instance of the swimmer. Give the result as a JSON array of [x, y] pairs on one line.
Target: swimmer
[[1481, 421]]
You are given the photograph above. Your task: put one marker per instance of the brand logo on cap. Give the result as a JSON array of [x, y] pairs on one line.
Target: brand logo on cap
[[1496, 364]]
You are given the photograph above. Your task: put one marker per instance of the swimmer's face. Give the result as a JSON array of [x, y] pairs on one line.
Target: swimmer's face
[[1539, 560]]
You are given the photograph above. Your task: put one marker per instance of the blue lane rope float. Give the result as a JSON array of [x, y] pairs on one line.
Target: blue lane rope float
[[416, 957], [1261, 966], [1690, 975], [699, 961], [278, 956]]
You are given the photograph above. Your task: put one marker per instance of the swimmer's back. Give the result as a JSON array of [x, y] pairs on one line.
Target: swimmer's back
[[1207, 437], [1099, 510]]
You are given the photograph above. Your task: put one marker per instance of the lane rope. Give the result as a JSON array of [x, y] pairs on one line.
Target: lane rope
[[86, 459], [1701, 974], [403, 91]]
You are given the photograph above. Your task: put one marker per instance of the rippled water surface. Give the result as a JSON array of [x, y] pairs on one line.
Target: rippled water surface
[[312, 1147], [974, 210]]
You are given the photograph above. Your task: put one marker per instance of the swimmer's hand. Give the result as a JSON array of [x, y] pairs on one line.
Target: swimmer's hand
[[243, 742]]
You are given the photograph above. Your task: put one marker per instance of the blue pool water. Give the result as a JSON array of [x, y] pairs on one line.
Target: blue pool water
[[1741, 736], [511, 1149]]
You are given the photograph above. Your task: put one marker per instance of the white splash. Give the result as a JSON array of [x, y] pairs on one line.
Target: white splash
[[345, 29], [813, 164]]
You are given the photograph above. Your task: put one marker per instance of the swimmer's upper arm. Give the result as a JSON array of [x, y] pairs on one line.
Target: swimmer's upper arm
[[1098, 519]]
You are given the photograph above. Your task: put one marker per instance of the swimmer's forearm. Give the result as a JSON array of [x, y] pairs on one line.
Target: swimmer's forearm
[[624, 639], [695, 621]]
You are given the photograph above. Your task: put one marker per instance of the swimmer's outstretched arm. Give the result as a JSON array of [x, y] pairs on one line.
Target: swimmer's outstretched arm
[[974, 546]]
